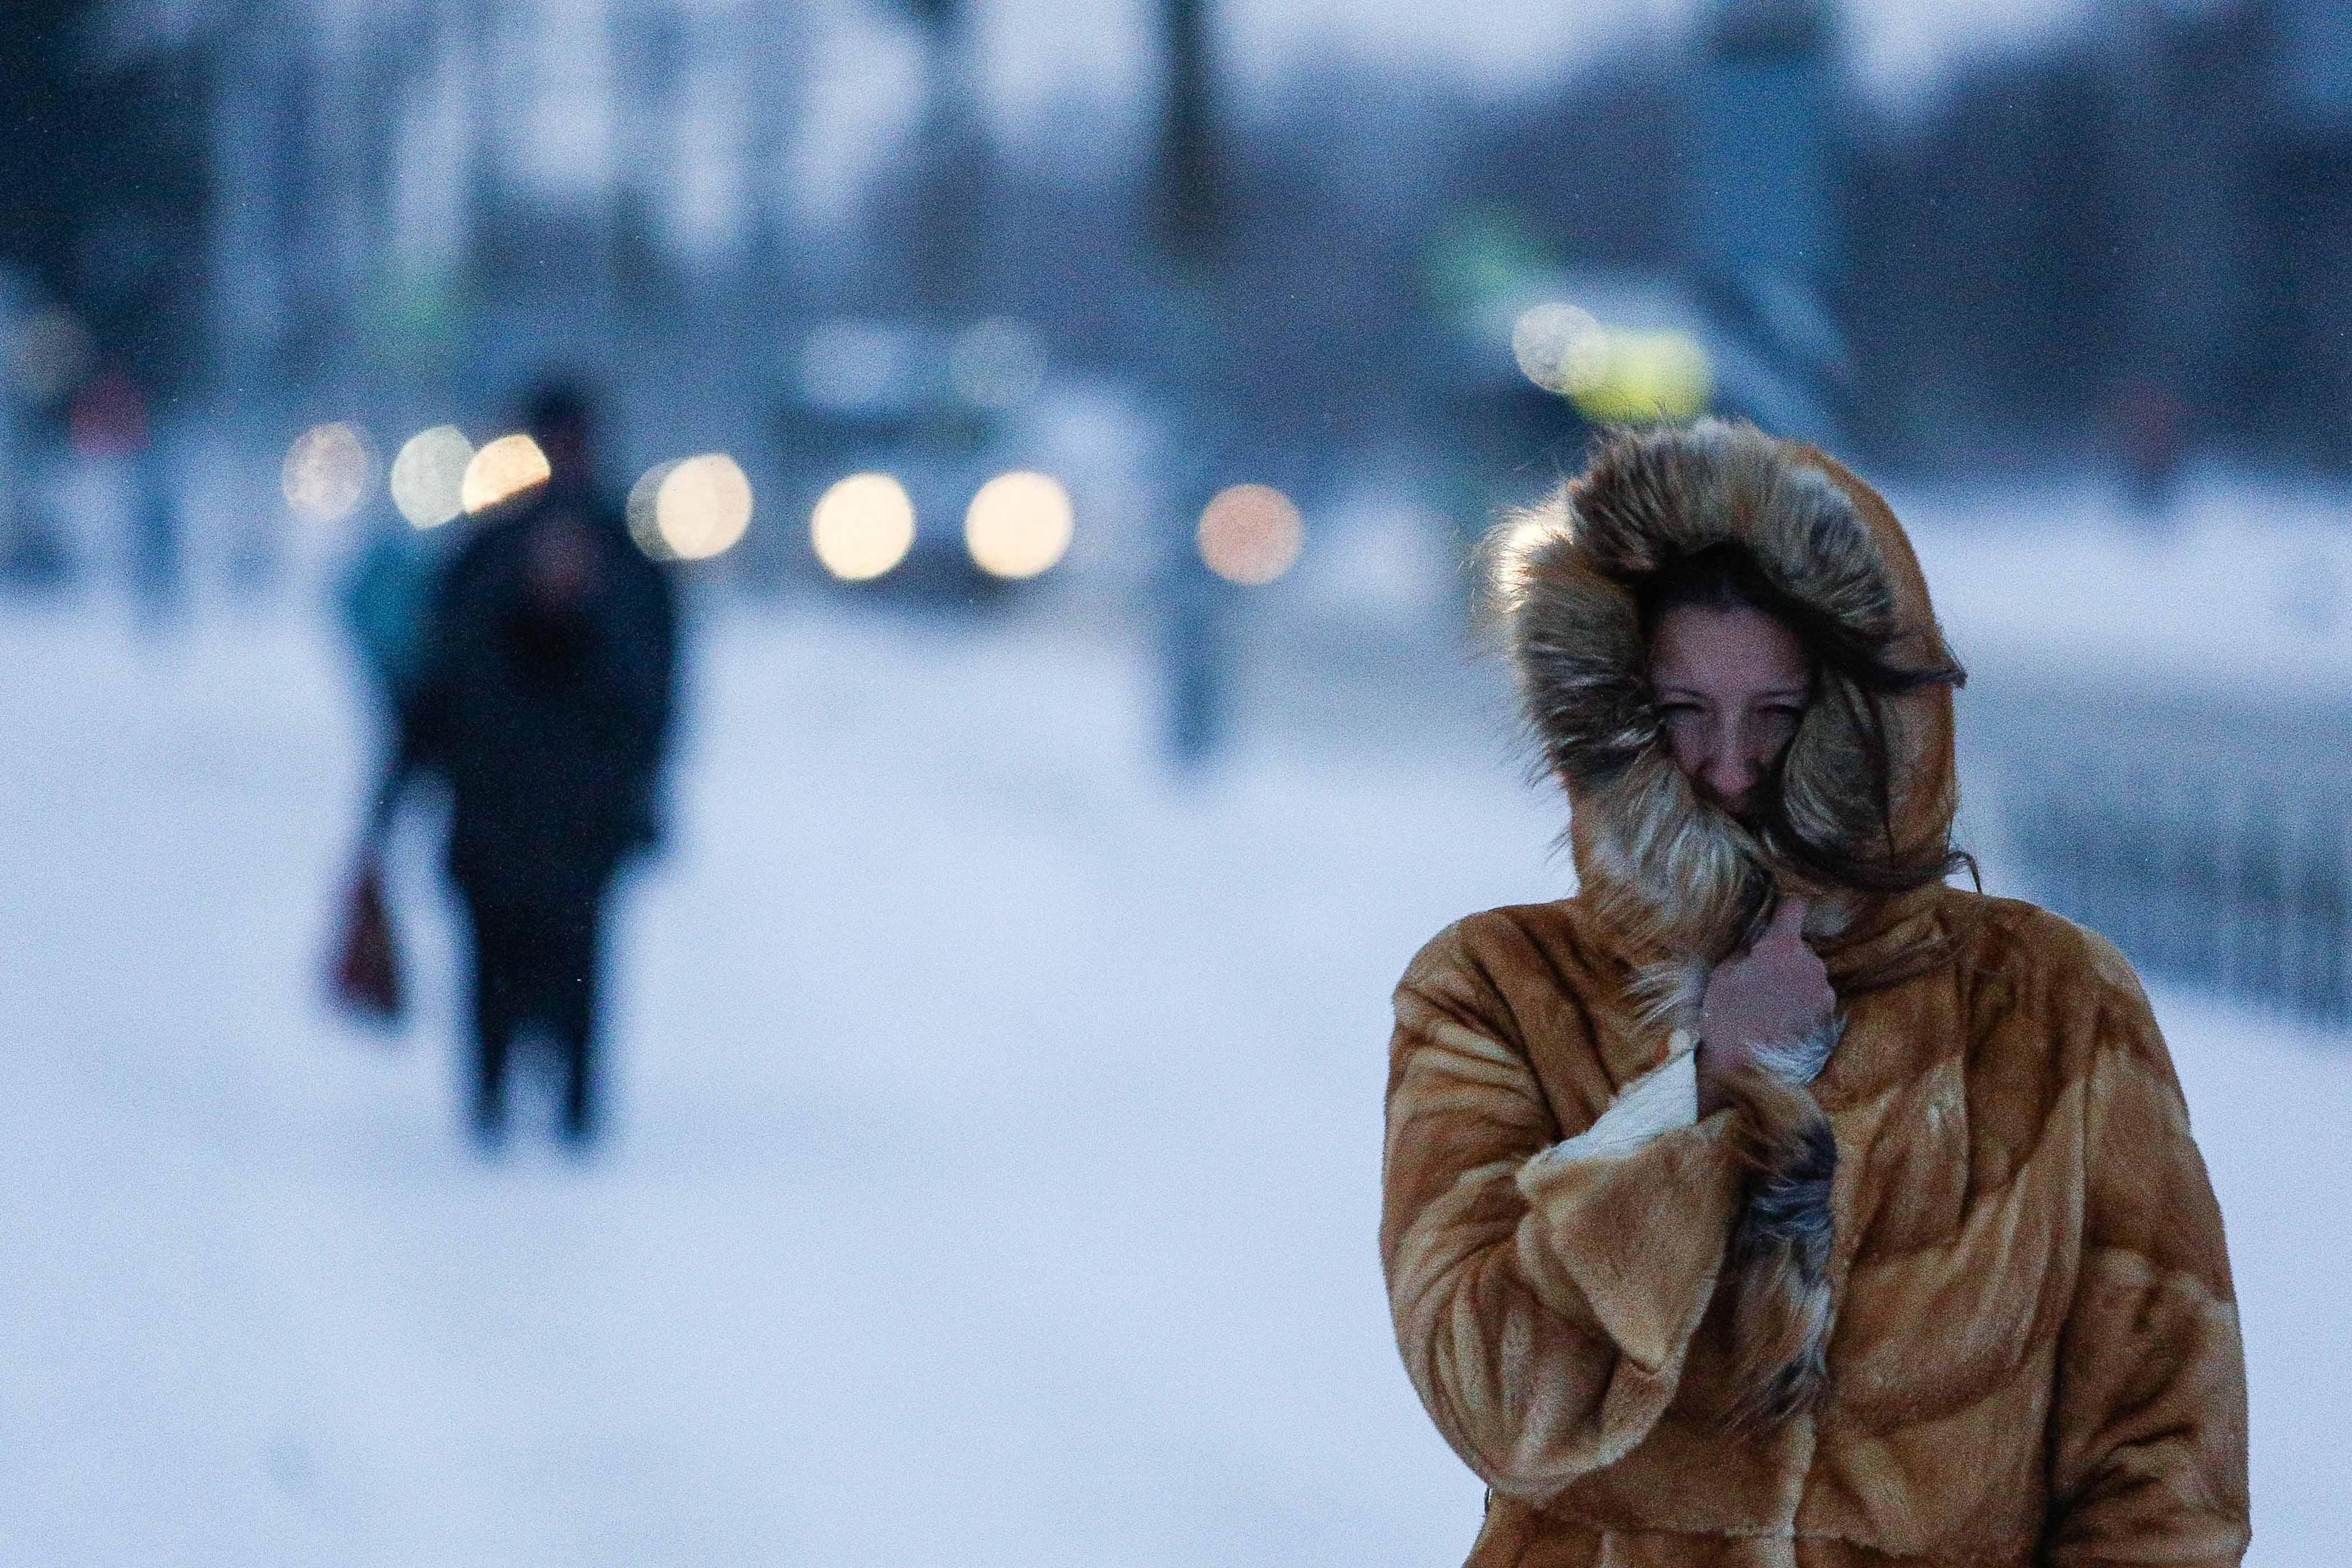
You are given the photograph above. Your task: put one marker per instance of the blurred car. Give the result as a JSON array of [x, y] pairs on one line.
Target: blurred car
[[922, 410]]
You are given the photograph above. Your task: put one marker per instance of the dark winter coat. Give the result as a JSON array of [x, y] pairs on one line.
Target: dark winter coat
[[1973, 1254], [550, 727]]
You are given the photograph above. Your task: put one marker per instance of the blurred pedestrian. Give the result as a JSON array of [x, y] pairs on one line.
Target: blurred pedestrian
[[382, 598], [542, 697], [1770, 1200], [156, 564], [111, 421], [2151, 425]]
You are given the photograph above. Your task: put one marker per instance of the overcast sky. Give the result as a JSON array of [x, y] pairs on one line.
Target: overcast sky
[[1896, 46]]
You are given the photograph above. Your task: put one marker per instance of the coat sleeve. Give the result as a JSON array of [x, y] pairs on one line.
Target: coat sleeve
[[2148, 1417], [1544, 1290]]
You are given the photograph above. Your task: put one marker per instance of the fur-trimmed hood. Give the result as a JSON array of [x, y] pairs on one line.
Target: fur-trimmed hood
[[1676, 876]]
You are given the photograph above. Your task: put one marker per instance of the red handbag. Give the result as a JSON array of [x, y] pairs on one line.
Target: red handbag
[[366, 978]]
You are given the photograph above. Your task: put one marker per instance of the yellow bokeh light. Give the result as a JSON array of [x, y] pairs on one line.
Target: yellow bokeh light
[[428, 476], [1019, 525], [1646, 375], [862, 527], [702, 506], [326, 473], [501, 470], [1612, 373], [1250, 535]]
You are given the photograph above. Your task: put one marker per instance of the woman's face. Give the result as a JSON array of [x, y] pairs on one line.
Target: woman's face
[[1732, 684]]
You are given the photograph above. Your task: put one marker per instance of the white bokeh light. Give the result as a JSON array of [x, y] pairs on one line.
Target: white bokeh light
[[863, 527], [326, 473], [702, 506], [428, 476], [1019, 525]]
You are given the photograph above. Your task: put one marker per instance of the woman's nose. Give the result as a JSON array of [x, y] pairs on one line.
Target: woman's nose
[[1731, 769], [1730, 773]]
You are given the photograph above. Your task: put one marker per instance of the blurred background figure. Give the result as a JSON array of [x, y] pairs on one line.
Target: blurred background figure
[[157, 566], [110, 423], [382, 597], [2151, 441], [541, 694]]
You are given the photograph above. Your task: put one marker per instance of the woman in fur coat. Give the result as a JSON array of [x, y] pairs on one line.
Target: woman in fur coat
[[1769, 1201]]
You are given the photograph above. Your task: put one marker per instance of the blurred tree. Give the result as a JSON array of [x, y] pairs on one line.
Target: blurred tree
[[101, 182], [40, 50], [948, 237]]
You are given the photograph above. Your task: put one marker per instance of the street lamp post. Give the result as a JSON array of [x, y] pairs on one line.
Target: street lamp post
[[1193, 608]]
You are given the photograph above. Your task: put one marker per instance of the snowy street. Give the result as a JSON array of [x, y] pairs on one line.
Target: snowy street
[[996, 1131]]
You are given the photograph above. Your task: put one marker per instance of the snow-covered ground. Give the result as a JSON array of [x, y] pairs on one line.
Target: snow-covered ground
[[995, 1168], [2240, 588]]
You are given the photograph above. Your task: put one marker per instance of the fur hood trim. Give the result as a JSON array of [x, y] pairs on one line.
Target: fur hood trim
[[1675, 876]]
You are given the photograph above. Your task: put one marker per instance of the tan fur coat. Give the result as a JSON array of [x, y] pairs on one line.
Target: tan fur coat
[[2003, 1311]]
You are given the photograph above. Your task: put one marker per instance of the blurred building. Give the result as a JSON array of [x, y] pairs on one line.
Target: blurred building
[[2153, 205], [103, 177], [1764, 248], [405, 207], [452, 190], [2302, 222]]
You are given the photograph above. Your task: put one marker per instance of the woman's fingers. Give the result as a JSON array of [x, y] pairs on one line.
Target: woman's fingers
[[1787, 923]]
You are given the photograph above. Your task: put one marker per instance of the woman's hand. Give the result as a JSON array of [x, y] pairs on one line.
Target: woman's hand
[[1777, 990]]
